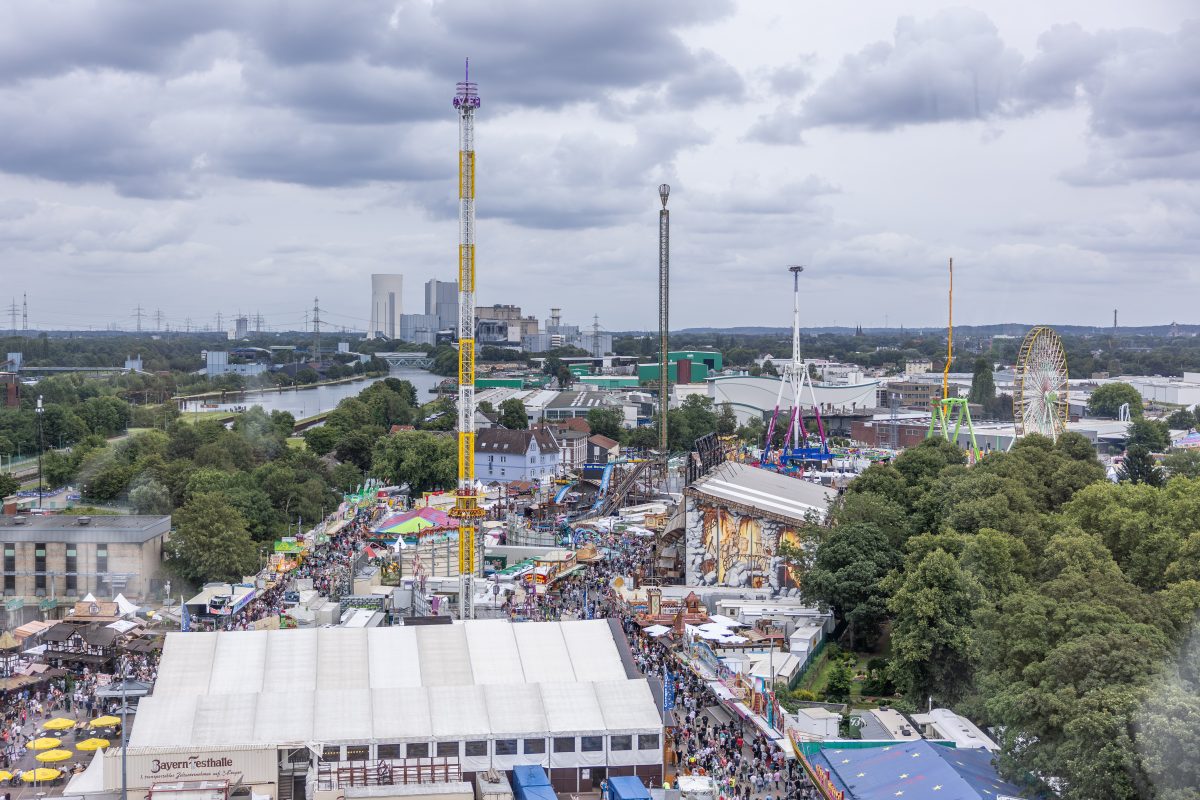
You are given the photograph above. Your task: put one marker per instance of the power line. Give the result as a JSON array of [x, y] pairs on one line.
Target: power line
[[138, 313]]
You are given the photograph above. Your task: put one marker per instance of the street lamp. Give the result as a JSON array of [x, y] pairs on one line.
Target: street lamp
[[41, 446]]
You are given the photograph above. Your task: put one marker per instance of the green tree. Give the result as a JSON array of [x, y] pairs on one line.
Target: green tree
[[840, 682], [1150, 434], [150, 497], [421, 459], [8, 485], [932, 619], [1107, 400], [1139, 467], [768, 368], [847, 574], [1181, 419], [1182, 463], [513, 415], [983, 384], [606, 421], [727, 423], [321, 439], [355, 447], [211, 542]]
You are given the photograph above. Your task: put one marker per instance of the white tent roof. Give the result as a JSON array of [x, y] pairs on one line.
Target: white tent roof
[[477, 679], [90, 781]]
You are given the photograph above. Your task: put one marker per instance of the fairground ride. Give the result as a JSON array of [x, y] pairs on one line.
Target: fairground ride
[[799, 446], [1040, 389], [951, 415], [466, 502]]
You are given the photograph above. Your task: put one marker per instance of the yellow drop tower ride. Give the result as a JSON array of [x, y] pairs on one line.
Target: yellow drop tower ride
[[466, 507]]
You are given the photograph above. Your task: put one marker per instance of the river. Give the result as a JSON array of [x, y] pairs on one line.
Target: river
[[306, 402]]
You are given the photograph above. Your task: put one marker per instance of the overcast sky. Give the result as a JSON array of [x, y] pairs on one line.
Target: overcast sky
[[225, 156]]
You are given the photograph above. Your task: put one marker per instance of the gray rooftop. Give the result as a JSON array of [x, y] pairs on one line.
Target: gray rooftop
[[762, 491], [98, 529]]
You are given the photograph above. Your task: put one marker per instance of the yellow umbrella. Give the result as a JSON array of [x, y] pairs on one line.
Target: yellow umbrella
[[44, 743], [87, 745], [59, 724], [53, 755], [105, 722], [40, 774], [5, 775]]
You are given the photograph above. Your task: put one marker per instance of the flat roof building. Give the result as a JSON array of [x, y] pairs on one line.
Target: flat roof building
[[479, 694], [64, 557]]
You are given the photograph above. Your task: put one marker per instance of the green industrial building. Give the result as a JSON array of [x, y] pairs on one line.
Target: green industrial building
[[709, 358], [648, 373], [499, 383]]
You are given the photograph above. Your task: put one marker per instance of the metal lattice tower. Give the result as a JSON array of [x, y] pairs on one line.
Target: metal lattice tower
[[316, 330], [24, 311], [466, 506], [664, 297]]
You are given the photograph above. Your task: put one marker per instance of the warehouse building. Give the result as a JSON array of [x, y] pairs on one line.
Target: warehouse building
[[64, 557], [453, 700]]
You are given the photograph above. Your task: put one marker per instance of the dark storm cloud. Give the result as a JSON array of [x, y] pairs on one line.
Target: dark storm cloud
[[1142, 89], [43, 39], [951, 66], [310, 92], [1145, 109]]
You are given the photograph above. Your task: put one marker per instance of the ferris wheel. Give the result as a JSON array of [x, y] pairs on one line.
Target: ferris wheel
[[1040, 388]]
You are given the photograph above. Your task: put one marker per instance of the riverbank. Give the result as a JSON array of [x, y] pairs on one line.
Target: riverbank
[[244, 393]]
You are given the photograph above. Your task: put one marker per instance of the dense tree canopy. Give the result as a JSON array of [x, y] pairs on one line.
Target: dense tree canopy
[[1038, 597]]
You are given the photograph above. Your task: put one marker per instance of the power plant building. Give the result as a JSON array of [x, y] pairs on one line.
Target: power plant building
[[386, 306], [441, 302], [419, 328]]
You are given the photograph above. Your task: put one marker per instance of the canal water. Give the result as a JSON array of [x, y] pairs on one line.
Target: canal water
[[306, 402]]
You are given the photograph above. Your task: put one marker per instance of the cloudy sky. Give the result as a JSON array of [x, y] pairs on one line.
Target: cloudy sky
[[204, 157]]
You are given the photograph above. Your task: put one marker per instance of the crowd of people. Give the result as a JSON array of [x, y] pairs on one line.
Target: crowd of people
[[742, 762]]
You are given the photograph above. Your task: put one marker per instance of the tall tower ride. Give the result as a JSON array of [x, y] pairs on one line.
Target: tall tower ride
[[664, 297], [466, 505]]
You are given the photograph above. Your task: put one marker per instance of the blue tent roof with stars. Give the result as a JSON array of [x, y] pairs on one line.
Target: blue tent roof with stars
[[917, 770]]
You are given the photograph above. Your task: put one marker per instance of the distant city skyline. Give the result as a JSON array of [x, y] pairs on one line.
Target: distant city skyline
[[208, 157]]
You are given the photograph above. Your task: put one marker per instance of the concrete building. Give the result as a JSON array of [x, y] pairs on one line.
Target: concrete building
[[441, 301], [1183, 391], [504, 456], [419, 328], [66, 557], [575, 404], [917, 366], [919, 395], [216, 363], [386, 305], [572, 448], [330, 703], [524, 326]]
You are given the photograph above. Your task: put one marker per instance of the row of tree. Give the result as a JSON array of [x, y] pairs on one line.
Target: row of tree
[[1036, 596]]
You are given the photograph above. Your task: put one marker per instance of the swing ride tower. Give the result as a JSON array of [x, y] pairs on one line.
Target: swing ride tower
[[952, 415]]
